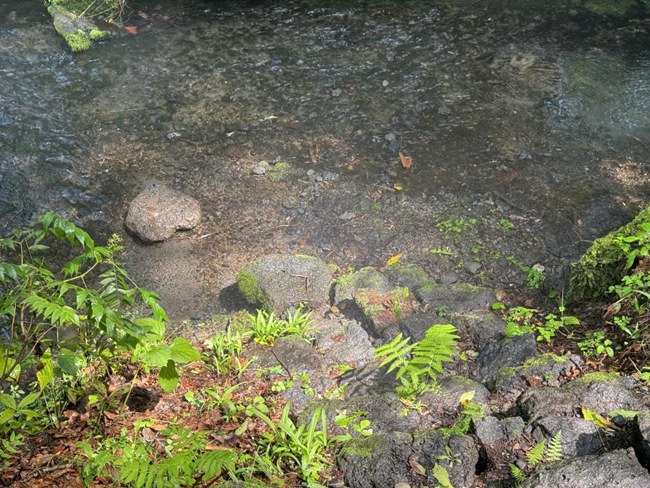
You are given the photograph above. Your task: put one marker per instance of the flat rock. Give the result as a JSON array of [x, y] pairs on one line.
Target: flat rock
[[457, 297], [618, 468], [159, 211], [278, 282], [490, 430], [544, 368], [365, 278], [580, 437], [343, 342], [600, 395], [508, 352]]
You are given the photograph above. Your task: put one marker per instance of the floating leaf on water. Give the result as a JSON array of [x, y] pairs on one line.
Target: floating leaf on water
[[405, 159]]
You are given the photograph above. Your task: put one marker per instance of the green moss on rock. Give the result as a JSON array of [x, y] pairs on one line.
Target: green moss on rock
[[249, 288], [603, 264], [598, 376], [363, 447]]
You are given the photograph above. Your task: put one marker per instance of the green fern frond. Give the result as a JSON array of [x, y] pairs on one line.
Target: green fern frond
[[536, 454], [396, 353], [517, 473], [554, 449], [437, 347], [212, 463]]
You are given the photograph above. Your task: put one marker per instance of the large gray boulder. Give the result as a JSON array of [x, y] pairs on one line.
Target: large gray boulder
[[619, 469], [279, 282], [159, 211]]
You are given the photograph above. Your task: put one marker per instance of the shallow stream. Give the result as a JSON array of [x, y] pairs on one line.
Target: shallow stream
[[528, 124]]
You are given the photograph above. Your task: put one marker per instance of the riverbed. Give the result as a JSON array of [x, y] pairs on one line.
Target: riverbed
[[527, 127]]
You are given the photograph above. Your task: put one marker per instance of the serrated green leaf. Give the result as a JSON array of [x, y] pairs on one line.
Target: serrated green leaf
[[158, 356], [183, 352], [168, 377]]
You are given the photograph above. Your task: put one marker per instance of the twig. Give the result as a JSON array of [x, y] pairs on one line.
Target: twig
[[37, 473]]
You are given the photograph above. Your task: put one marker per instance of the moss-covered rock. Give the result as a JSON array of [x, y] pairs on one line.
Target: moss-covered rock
[[278, 282], [77, 30], [603, 264]]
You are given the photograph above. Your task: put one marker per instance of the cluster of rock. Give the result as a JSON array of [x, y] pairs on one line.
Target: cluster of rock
[[526, 397]]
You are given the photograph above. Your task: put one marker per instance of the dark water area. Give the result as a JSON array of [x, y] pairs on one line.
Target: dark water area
[[533, 113]]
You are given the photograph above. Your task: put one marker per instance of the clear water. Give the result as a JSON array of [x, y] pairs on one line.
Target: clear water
[[510, 110]]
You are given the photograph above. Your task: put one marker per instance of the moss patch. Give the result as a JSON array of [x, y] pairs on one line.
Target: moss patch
[[363, 447], [598, 376], [603, 264], [251, 291]]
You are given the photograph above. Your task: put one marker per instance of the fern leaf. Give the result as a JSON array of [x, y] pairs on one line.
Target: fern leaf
[[517, 474], [437, 347], [395, 352], [212, 463], [536, 454], [554, 449]]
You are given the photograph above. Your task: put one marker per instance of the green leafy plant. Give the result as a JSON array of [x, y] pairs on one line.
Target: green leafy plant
[[523, 320], [595, 344], [535, 276], [266, 327], [417, 365], [469, 412], [355, 420], [540, 453], [175, 458], [287, 445], [62, 317], [225, 351]]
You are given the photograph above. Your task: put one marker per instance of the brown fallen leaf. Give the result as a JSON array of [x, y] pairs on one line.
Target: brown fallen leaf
[[405, 159]]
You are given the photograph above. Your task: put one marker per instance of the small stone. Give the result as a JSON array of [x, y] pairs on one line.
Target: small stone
[[173, 136], [290, 203], [337, 92], [259, 171], [525, 155], [347, 216], [384, 83], [159, 211]]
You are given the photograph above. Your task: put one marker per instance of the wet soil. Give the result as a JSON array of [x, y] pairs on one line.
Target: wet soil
[[528, 127]]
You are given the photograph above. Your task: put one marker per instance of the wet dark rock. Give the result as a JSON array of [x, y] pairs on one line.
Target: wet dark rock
[[407, 275], [618, 468], [379, 460], [159, 211], [508, 352], [386, 412], [427, 444], [481, 328], [580, 437], [451, 388], [368, 277], [343, 343], [490, 430], [385, 460], [277, 282], [601, 396], [457, 297], [545, 368], [642, 442]]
